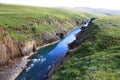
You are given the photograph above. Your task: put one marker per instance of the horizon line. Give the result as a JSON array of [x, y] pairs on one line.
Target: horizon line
[[4, 3]]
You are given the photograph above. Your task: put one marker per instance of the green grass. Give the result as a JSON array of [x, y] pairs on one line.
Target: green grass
[[44, 27], [98, 57], [18, 37], [26, 21]]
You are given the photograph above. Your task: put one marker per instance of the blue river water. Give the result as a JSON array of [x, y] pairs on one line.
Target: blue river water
[[46, 57]]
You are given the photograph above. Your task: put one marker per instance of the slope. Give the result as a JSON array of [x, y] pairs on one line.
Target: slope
[[98, 53]]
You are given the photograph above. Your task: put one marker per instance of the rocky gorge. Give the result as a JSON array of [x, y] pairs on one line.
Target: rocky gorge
[[12, 51], [23, 29], [10, 48]]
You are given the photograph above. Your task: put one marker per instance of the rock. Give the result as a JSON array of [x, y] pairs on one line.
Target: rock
[[61, 32], [60, 35], [48, 37], [27, 47], [79, 37], [3, 54], [34, 47], [11, 46]]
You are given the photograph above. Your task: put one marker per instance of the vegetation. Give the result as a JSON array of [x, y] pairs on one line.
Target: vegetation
[[22, 22], [98, 57]]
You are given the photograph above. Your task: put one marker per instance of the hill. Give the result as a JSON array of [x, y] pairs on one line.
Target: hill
[[99, 10], [98, 55], [24, 28]]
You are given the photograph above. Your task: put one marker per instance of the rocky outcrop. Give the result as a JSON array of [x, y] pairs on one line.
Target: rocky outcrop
[[79, 39], [3, 54], [27, 47], [80, 36], [10, 48], [48, 37], [52, 21], [61, 32]]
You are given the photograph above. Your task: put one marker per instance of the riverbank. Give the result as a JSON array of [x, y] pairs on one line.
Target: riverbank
[[14, 68]]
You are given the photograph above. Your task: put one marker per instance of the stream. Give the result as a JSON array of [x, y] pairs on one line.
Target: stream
[[47, 57]]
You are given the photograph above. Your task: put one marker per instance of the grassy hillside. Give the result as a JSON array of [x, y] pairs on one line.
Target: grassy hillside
[[98, 57], [22, 22], [24, 28]]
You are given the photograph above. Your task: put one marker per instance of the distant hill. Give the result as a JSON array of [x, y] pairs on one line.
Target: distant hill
[[99, 10]]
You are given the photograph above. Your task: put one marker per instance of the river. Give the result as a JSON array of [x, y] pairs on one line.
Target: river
[[47, 57]]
